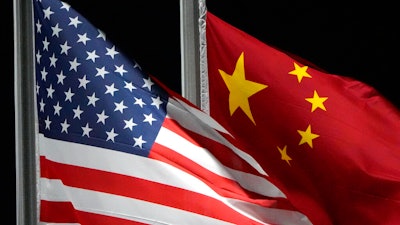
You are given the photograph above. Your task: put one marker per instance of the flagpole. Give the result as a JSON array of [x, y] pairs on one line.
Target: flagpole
[[189, 36], [24, 93]]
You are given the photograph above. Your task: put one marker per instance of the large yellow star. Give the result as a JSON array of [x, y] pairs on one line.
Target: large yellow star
[[300, 72], [240, 89], [317, 102], [307, 136], [284, 155]]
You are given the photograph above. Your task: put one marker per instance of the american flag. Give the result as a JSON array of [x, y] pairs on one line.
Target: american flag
[[117, 147]]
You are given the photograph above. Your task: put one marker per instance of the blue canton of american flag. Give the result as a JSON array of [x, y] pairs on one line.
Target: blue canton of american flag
[[88, 91]]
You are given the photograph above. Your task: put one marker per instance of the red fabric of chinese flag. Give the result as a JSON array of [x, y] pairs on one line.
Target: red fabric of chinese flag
[[329, 142]]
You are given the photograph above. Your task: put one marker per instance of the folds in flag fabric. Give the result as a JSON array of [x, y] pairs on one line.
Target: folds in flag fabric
[[330, 143], [117, 147]]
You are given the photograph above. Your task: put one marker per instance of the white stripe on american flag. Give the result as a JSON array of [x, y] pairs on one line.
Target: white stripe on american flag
[[180, 111]]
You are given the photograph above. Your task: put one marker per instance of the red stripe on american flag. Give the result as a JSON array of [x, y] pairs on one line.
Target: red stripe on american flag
[[57, 212], [90, 218], [64, 212]]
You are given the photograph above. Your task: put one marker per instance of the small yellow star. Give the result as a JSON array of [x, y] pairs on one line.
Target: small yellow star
[[300, 72], [240, 89], [317, 102], [307, 136], [284, 155]]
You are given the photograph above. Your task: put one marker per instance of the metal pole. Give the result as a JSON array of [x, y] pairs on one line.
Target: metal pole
[[24, 105], [190, 69]]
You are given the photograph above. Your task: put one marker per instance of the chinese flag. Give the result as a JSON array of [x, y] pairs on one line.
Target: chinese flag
[[330, 143]]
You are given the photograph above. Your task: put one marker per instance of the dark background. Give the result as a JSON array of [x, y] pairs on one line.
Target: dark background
[[359, 41]]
